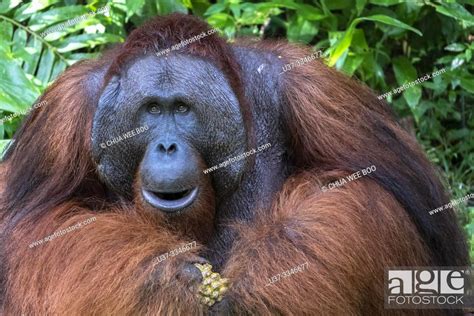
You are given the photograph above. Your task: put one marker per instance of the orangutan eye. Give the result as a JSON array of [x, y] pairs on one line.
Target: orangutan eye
[[182, 108], [154, 108]]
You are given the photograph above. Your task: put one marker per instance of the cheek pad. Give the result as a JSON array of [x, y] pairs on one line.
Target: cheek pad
[[118, 161], [117, 144], [223, 138]]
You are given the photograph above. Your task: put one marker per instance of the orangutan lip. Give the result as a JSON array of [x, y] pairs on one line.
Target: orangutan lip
[[170, 201]]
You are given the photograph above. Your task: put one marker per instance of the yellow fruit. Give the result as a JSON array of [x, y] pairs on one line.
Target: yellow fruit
[[213, 286]]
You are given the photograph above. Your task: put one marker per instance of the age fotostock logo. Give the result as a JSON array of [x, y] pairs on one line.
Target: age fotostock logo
[[428, 287]]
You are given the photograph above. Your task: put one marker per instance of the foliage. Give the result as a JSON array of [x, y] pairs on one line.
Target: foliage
[[384, 43]]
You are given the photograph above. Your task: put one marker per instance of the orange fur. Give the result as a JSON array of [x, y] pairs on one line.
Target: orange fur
[[104, 268], [347, 235]]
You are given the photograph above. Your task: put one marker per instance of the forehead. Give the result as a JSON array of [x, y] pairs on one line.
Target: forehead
[[176, 71]]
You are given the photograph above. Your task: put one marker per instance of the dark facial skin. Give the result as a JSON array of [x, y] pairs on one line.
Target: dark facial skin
[[192, 119], [259, 185], [194, 122]]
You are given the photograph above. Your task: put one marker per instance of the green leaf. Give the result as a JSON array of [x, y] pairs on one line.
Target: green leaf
[[455, 47], [309, 12], [133, 6], [215, 8], [352, 63], [257, 13], [345, 42], [17, 93], [342, 44], [290, 4], [359, 41], [419, 110], [405, 73], [23, 12], [170, 6], [59, 67], [456, 11], [68, 15], [339, 4], [6, 32], [220, 20], [360, 4], [7, 102], [34, 47], [199, 7], [19, 40], [413, 95], [468, 54], [37, 6], [458, 134], [387, 2], [390, 21], [3, 145], [301, 30], [467, 84], [236, 10], [87, 40], [7, 5], [457, 62], [373, 69], [45, 65]]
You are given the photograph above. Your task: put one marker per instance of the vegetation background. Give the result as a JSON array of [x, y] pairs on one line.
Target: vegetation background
[[384, 43]]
